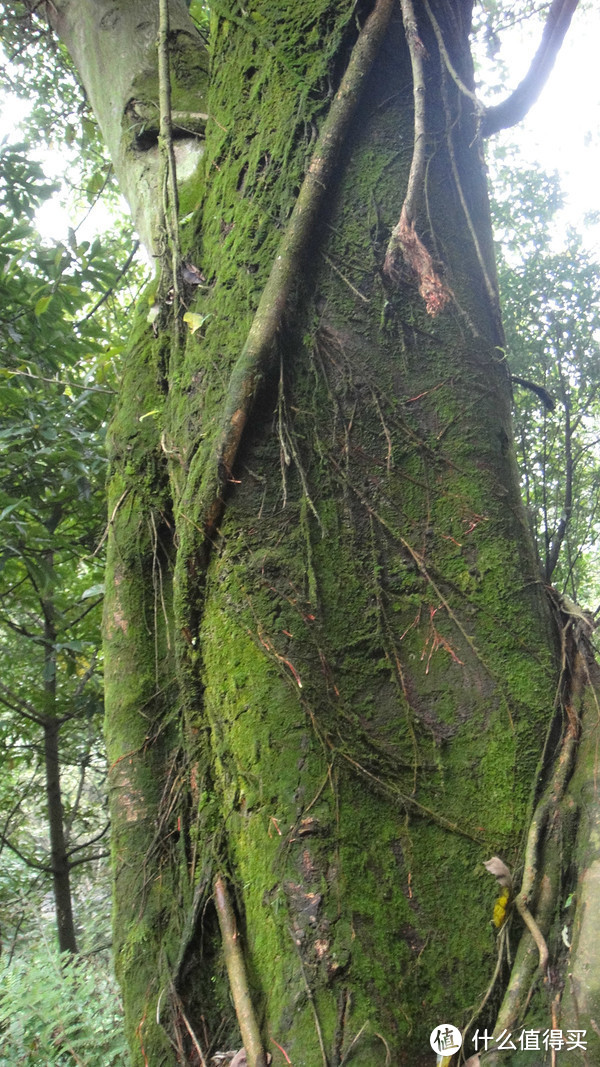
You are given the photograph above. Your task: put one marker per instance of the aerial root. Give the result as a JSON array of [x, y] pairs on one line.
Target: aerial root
[[405, 241]]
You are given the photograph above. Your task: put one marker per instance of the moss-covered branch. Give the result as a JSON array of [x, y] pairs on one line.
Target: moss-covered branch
[[254, 361]]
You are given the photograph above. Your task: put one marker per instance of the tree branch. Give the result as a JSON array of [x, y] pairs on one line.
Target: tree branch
[[108, 292], [20, 706], [33, 864], [14, 809], [86, 844], [547, 399], [514, 108], [88, 859], [59, 381], [21, 630]]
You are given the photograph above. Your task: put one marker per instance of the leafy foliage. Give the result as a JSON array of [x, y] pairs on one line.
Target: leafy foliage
[[551, 303], [57, 1011], [57, 378], [38, 71]]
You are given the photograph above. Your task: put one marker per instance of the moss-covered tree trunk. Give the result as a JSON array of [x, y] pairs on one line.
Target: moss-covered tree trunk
[[332, 664]]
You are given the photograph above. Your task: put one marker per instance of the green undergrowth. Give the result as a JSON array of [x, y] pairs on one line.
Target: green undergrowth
[[60, 1010]]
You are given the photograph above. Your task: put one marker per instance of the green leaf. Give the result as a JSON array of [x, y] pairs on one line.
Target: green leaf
[[7, 510], [94, 590], [94, 186], [42, 306]]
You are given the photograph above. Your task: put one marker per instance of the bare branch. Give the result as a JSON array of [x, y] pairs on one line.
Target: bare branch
[[88, 859], [15, 809], [512, 110], [86, 844], [547, 399], [21, 629], [27, 860], [108, 292], [22, 707], [66, 384]]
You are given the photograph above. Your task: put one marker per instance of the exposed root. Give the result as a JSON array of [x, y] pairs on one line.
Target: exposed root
[[406, 241], [238, 979], [537, 935], [311, 999], [538, 882], [171, 253]]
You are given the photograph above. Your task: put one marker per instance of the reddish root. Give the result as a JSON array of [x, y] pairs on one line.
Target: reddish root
[[406, 242]]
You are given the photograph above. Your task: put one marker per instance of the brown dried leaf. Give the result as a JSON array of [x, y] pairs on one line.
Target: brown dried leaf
[[497, 867], [191, 274], [473, 1061], [239, 1060]]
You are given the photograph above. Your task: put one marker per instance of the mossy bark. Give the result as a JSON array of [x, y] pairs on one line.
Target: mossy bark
[[340, 702]]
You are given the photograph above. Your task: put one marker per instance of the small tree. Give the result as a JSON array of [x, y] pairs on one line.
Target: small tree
[[52, 471]]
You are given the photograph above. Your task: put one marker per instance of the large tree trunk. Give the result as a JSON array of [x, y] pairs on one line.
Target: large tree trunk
[[329, 686]]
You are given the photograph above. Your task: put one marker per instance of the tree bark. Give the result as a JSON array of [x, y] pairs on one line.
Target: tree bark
[[113, 46], [67, 940], [330, 677], [59, 859]]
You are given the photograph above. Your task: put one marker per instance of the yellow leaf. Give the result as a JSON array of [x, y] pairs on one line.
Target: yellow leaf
[[194, 321], [499, 916]]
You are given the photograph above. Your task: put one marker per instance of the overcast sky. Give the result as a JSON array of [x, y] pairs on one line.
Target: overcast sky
[[562, 130]]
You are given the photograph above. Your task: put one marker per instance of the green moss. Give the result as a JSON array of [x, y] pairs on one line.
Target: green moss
[[360, 677]]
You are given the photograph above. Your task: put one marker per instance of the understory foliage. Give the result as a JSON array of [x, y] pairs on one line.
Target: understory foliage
[[56, 384], [60, 339], [58, 1012]]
